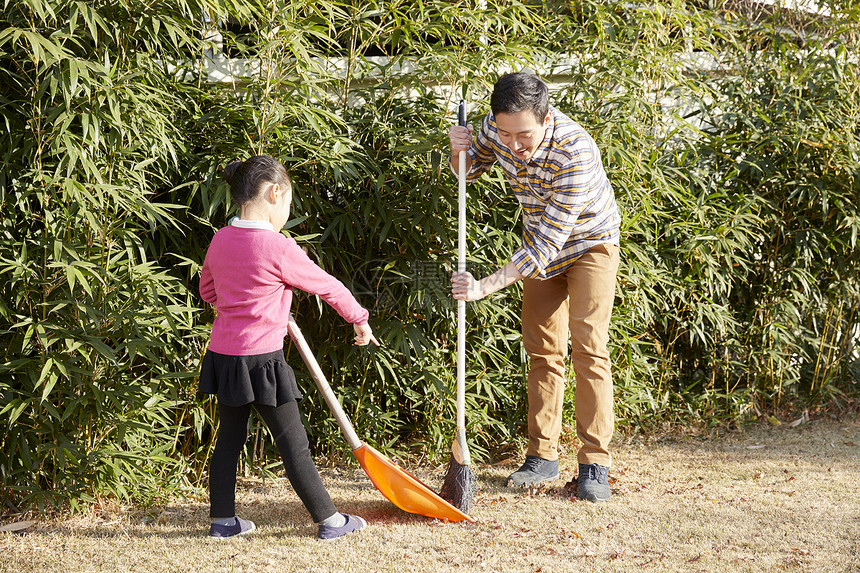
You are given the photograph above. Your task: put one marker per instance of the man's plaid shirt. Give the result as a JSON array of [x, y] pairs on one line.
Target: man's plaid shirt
[[568, 203]]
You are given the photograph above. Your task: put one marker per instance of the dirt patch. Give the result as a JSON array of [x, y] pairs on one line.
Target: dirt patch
[[769, 498]]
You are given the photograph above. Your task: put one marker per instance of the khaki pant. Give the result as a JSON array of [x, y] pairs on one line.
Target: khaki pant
[[578, 302]]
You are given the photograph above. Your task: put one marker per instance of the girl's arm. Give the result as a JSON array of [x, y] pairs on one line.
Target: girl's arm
[[299, 271], [207, 284]]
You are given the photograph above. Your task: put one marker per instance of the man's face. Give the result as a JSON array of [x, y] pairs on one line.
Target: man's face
[[521, 132]]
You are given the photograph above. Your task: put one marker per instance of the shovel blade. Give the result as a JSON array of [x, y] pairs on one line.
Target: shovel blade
[[403, 489]]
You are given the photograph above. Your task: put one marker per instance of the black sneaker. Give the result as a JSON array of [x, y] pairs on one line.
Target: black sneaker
[[593, 483], [536, 470], [241, 527], [353, 523]]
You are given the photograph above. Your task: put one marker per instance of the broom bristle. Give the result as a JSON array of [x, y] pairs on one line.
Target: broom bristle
[[459, 486]]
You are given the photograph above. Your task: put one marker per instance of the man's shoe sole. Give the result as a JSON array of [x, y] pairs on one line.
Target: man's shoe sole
[[595, 499]]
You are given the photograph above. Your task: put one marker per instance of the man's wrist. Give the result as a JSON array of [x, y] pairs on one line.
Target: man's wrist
[[488, 285], [452, 164]]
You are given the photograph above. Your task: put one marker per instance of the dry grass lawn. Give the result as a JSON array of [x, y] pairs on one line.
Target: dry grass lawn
[[768, 499]]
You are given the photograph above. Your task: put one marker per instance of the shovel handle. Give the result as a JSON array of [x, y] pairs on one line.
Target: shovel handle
[[323, 385]]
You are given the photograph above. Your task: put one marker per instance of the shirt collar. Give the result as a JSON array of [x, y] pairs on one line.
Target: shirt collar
[[265, 225]]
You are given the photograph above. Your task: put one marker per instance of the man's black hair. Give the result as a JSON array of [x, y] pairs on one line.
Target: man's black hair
[[518, 92]]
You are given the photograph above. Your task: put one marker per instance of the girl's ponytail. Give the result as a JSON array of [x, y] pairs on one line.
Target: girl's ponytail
[[230, 171]]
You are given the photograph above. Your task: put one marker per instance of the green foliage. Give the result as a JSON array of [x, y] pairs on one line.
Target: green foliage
[[731, 143], [96, 331]]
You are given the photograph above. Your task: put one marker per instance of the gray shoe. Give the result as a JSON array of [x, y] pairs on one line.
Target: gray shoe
[[593, 483], [536, 470], [353, 523], [240, 527]]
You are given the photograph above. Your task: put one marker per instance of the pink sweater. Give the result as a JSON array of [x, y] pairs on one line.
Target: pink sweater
[[248, 274]]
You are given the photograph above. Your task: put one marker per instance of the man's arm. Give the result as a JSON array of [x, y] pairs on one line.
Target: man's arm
[[465, 287], [480, 154], [573, 187]]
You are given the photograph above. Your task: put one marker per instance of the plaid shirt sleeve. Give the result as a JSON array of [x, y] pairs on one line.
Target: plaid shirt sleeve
[[571, 183], [481, 152]]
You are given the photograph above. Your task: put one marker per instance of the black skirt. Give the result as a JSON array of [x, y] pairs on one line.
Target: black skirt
[[259, 379]]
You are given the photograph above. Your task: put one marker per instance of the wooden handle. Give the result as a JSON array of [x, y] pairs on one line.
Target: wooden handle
[[461, 267], [323, 385]]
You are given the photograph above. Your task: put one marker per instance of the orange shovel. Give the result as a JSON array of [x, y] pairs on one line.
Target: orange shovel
[[398, 486]]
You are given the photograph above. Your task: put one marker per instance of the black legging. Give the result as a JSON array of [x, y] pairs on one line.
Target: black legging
[[285, 423]]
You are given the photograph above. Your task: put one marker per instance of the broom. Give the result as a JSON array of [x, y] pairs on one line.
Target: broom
[[459, 485]]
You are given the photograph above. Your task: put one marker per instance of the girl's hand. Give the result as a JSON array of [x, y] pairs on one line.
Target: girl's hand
[[465, 287], [364, 335]]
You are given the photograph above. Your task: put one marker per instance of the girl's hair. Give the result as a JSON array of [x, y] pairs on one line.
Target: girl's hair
[[518, 92], [246, 178]]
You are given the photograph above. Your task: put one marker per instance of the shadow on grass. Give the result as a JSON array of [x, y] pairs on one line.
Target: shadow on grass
[[275, 519]]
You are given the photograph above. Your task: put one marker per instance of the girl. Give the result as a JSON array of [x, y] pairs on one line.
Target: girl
[[248, 274]]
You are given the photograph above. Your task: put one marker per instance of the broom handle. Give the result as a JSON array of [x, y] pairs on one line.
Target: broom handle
[[323, 385], [461, 268]]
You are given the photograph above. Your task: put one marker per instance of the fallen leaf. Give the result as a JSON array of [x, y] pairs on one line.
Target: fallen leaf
[[571, 488], [804, 418]]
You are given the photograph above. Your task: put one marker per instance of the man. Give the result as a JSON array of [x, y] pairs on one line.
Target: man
[[567, 262]]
